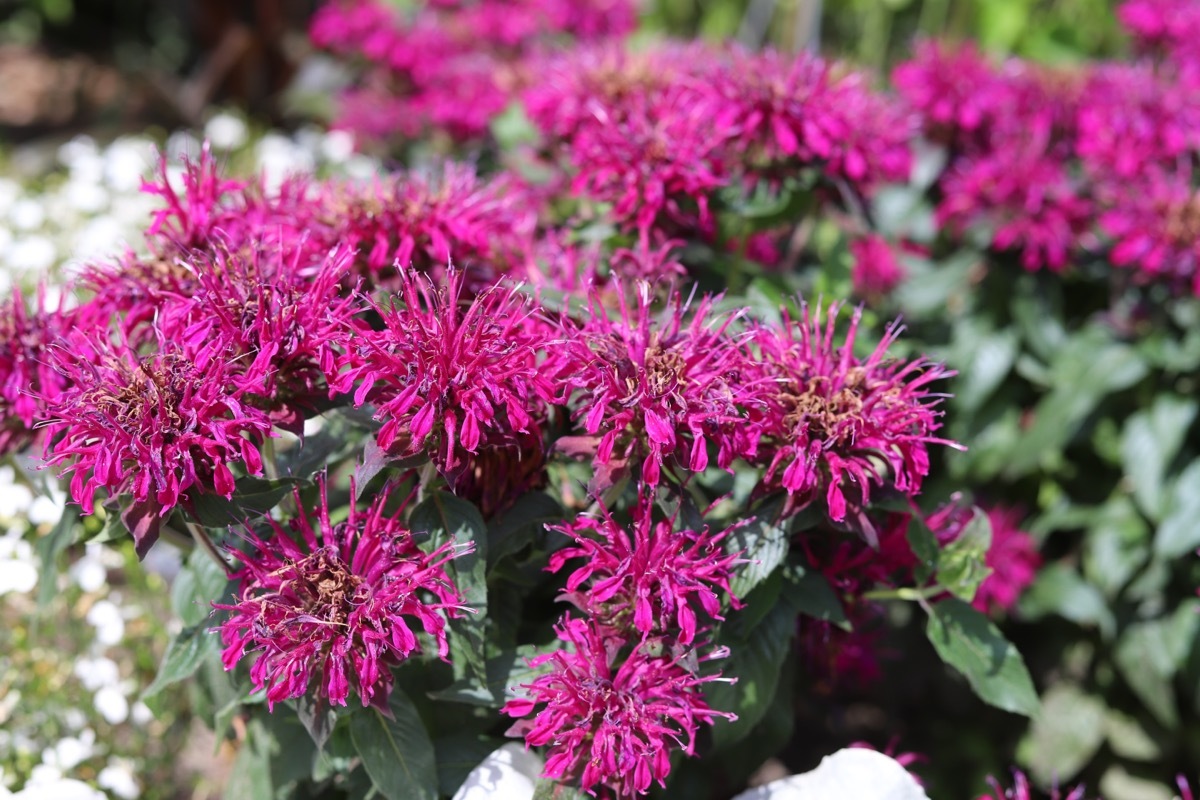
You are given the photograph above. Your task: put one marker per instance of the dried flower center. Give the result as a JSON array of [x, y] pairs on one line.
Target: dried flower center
[[154, 392], [1183, 221], [326, 587], [820, 413], [666, 371]]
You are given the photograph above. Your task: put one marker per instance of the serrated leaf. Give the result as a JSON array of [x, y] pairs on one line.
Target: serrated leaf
[[397, 752], [1179, 532], [762, 543], [962, 565], [967, 641], [185, 653], [1066, 733], [1149, 441], [448, 518], [49, 548], [1060, 590]]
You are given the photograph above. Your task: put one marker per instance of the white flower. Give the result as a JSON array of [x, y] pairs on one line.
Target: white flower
[[95, 673], [27, 214], [852, 773], [46, 510], [70, 751], [226, 131], [10, 190], [508, 773], [111, 704], [18, 566], [59, 789], [74, 719], [182, 144], [118, 778], [141, 714], [31, 254], [279, 157], [15, 498], [85, 196], [105, 617], [89, 574], [127, 161], [78, 149], [337, 146]]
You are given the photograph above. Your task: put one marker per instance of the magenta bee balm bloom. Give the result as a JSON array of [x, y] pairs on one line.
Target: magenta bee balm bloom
[[836, 421], [152, 426], [652, 578], [611, 724], [338, 601]]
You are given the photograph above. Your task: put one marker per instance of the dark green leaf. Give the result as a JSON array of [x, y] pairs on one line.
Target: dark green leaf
[[505, 672], [49, 548], [760, 542], [396, 752], [250, 778], [1117, 545], [811, 594], [987, 357], [1179, 532], [449, 518], [519, 526], [925, 547], [185, 653], [962, 565], [967, 641], [317, 717], [1066, 733], [1149, 442], [251, 497]]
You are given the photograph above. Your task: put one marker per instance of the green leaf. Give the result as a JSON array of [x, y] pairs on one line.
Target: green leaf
[[200, 583], [185, 653], [962, 566], [449, 518], [967, 641], [520, 525], [1128, 738], [252, 496], [924, 545], [396, 752], [756, 659], [1117, 545], [1066, 733], [760, 542], [988, 357], [1149, 654], [317, 717], [250, 778], [812, 595], [1150, 440], [49, 548], [1060, 590], [1179, 532], [505, 672]]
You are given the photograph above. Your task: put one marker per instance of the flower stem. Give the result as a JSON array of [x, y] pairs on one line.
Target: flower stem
[[202, 538]]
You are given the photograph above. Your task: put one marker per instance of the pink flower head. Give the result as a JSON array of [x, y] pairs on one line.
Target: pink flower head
[[649, 576], [836, 421], [1169, 27], [949, 86], [280, 316], [611, 723], [1031, 205], [338, 600], [134, 289], [448, 380], [154, 426], [204, 204], [875, 271], [1021, 790], [656, 386], [1132, 117], [1013, 559], [1156, 229], [28, 379], [424, 222]]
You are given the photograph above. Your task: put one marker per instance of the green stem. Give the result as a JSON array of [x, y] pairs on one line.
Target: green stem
[[905, 593], [201, 536]]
